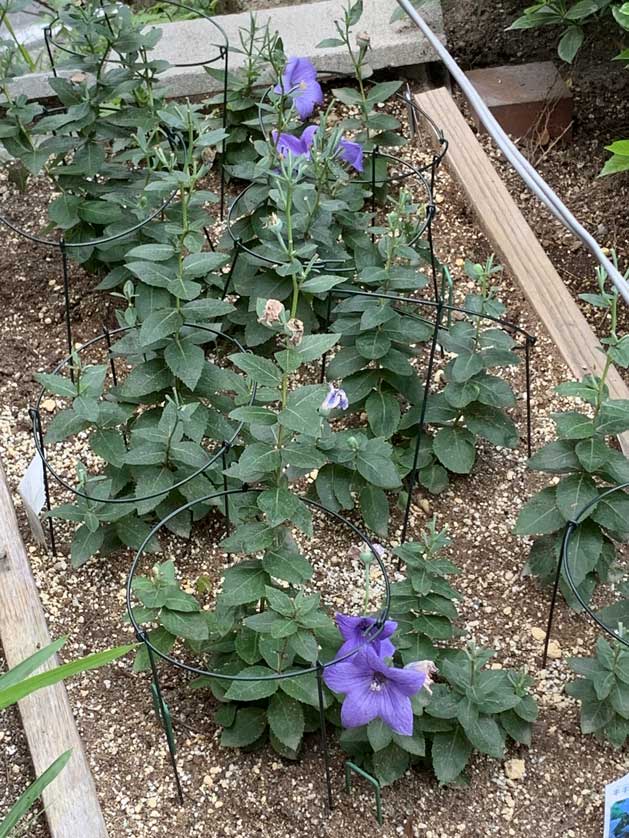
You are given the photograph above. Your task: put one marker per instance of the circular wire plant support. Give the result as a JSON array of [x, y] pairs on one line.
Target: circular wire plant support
[[50, 471], [564, 563], [318, 668], [341, 266]]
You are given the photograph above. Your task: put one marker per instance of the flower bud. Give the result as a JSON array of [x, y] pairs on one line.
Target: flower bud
[[363, 40]]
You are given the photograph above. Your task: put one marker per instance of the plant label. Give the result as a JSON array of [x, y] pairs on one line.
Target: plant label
[[617, 808], [33, 496]]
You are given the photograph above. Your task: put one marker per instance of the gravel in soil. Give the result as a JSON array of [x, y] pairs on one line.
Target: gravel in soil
[[557, 792]]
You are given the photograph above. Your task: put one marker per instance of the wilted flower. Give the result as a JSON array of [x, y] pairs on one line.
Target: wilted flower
[[208, 155], [364, 553], [363, 40], [273, 310], [296, 329], [428, 668], [374, 690], [355, 632], [352, 153], [297, 146], [299, 81], [336, 398]]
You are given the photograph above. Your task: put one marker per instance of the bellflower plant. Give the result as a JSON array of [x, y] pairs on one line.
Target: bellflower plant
[[374, 690], [352, 153], [299, 82]]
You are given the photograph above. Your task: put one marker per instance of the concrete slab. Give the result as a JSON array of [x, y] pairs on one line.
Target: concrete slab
[[301, 27]]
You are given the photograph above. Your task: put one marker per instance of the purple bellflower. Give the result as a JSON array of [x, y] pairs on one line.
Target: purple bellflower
[[374, 690], [355, 632], [299, 81], [297, 146], [351, 153], [336, 398]]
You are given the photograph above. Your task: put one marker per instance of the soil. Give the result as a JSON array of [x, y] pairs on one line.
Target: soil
[[229, 793]]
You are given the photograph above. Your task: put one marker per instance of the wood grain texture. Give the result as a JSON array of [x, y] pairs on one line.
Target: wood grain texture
[[70, 802], [518, 247]]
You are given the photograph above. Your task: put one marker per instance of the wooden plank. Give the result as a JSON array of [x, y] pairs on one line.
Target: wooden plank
[[518, 247], [70, 802]]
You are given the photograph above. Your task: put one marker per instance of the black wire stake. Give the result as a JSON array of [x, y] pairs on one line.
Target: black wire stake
[[237, 248], [226, 447], [529, 342], [324, 358], [163, 714], [432, 211], [224, 53], [572, 525], [66, 299], [329, 805], [374, 158], [421, 425], [35, 420]]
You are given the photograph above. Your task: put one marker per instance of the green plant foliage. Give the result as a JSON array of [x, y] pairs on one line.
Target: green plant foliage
[[602, 690], [586, 464]]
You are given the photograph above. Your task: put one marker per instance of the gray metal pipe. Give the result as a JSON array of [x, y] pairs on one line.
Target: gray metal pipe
[[533, 180]]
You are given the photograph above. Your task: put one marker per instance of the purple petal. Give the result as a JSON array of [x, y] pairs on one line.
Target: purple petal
[[307, 138], [298, 70], [352, 153], [360, 707], [395, 710], [288, 144], [306, 95], [351, 674]]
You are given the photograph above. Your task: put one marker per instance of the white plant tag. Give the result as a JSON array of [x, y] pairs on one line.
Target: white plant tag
[[33, 496], [617, 808]]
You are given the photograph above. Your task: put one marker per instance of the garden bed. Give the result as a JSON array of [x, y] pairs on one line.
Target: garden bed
[[233, 793]]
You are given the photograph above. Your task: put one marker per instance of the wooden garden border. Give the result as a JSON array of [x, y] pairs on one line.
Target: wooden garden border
[[70, 801], [518, 247]]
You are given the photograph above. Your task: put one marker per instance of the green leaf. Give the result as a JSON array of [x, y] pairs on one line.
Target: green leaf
[[555, 458], [573, 425], [26, 667], [379, 734], [374, 506], [200, 264], [16, 692], [85, 544], [383, 413], [243, 583], [159, 325], [570, 43], [262, 371], [32, 793], [110, 446], [593, 454], [303, 688], [540, 515], [374, 463], [279, 505], [612, 512], [289, 567], [613, 417], [185, 360], [301, 413], [573, 493], [189, 625], [153, 252], [57, 384], [252, 690], [450, 753], [248, 727], [286, 720], [455, 449], [146, 378], [390, 763]]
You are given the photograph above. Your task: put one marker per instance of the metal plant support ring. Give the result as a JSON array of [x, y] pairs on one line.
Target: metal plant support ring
[[38, 432], [564, 563], [154, 653]]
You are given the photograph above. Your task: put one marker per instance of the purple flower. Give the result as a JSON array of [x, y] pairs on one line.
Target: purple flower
[[355, 631], [351, 153], [297, 146], [374, 690], [299, 81], [335, 398]]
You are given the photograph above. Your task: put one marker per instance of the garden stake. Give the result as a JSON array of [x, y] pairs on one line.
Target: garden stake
[[237, 249], [324, 740], [412, 120], [431, 211], [351, 766], [208, 238], [163, 714], [566, 535], [224, 53], [420, 426], [324, 357], [66, 298], [35, 420], [374, 158], [530, 341], [226, 447]]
